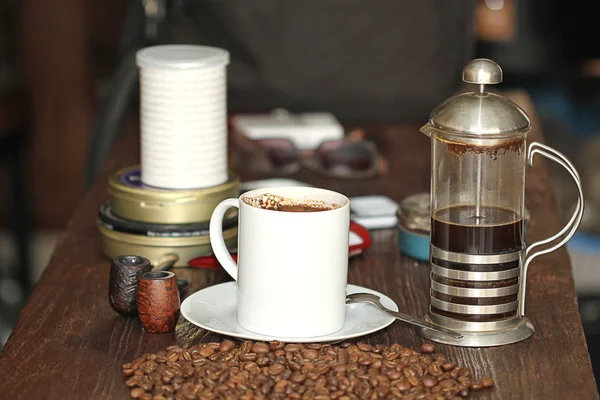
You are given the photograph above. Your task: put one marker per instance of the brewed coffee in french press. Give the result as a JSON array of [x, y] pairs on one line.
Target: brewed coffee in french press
[[478, 257]]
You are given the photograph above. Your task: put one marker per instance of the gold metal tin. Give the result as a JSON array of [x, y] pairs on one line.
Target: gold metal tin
[[163, 206], [159, 249]]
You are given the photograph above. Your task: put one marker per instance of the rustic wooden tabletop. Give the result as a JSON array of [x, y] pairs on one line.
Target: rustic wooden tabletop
[[69, 344]]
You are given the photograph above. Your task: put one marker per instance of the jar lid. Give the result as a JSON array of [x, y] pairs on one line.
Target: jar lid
[[479, 117], [414, 212]]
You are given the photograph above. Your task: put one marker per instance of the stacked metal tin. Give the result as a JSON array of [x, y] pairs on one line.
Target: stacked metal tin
[[160, 223]]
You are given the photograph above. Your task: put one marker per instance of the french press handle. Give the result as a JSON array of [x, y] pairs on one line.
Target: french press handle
[[567, 231]]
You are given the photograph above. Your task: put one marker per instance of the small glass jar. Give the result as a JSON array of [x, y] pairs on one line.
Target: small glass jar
[[413, 226]]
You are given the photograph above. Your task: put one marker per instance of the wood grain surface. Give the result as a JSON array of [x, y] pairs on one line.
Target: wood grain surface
[[69, 343]]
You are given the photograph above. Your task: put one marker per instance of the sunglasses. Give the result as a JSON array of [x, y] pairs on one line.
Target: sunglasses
[[347, 159]]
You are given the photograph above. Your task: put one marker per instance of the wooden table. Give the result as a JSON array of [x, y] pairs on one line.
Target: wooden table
[[69, 344]]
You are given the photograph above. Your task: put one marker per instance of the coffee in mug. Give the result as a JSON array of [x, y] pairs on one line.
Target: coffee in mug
[[274, 202], [292, 260]]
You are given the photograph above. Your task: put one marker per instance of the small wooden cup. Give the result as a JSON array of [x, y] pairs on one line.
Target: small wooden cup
[[123, 282], [158, 301]]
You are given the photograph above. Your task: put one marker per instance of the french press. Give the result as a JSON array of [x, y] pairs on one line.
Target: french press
[[478, 257]]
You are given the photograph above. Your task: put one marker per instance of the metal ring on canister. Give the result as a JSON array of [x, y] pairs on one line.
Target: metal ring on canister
[[108, 219], [132, 200], [158, 249]]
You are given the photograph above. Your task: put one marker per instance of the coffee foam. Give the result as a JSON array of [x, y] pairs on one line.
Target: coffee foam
[[268, 201]]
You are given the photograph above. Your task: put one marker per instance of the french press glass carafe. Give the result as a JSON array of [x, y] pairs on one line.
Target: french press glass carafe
[[478, 256]]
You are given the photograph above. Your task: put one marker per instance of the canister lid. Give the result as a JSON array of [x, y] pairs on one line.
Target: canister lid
[[414, 212], [479, 117], [181, 57]]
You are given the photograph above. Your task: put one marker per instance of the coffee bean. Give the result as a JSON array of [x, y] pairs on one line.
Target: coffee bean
[[206, 351], [487, 382], [248, 356], [262, 361], [260, 348], [448, 383], [448, 366], [226, 346], [292, 348], [136, 393], [434, 369], [310, 354], [406, 353], [429, 382], [364, 347], [246, 346], [133, 381], [298, 377], [393, 374], [403, 386], [477, 386], [427, 347], [276, 345], [276, 369]]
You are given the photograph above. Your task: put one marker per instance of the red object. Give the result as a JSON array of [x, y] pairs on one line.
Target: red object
[[364, 234], [354, 249], [207, 261]]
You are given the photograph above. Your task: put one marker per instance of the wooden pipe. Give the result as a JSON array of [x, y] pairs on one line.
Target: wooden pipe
[[158, 301], [123, 282]]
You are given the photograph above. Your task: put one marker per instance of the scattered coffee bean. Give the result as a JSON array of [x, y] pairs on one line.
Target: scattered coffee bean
[[427, 347], [487, 382], [136, 393], [277, 370], [449, 366]]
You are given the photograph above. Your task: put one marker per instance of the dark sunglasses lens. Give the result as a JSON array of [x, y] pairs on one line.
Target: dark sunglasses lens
[[344, 156], [281, 152]]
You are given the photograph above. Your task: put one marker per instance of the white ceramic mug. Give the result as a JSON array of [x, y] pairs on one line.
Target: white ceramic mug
[[292, 266]]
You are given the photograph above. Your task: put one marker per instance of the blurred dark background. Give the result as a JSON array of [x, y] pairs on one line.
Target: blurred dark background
[[58, 62]]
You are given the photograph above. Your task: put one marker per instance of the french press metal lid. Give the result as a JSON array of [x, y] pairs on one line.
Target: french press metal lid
[[478, 256]]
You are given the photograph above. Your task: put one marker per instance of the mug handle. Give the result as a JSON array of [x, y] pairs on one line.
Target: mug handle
[[567, 231], [216, 236]]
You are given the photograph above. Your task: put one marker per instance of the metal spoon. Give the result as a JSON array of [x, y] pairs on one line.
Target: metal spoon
[[374, 299]]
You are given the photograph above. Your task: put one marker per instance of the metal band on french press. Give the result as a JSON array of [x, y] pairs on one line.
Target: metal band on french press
[[468, 292], [473, 310], [474, 276], [463, 258]]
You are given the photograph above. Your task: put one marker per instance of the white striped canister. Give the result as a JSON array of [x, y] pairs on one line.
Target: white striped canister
[[183, 116]]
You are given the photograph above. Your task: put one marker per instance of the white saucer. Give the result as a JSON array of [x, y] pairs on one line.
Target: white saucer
[[214, 309]]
